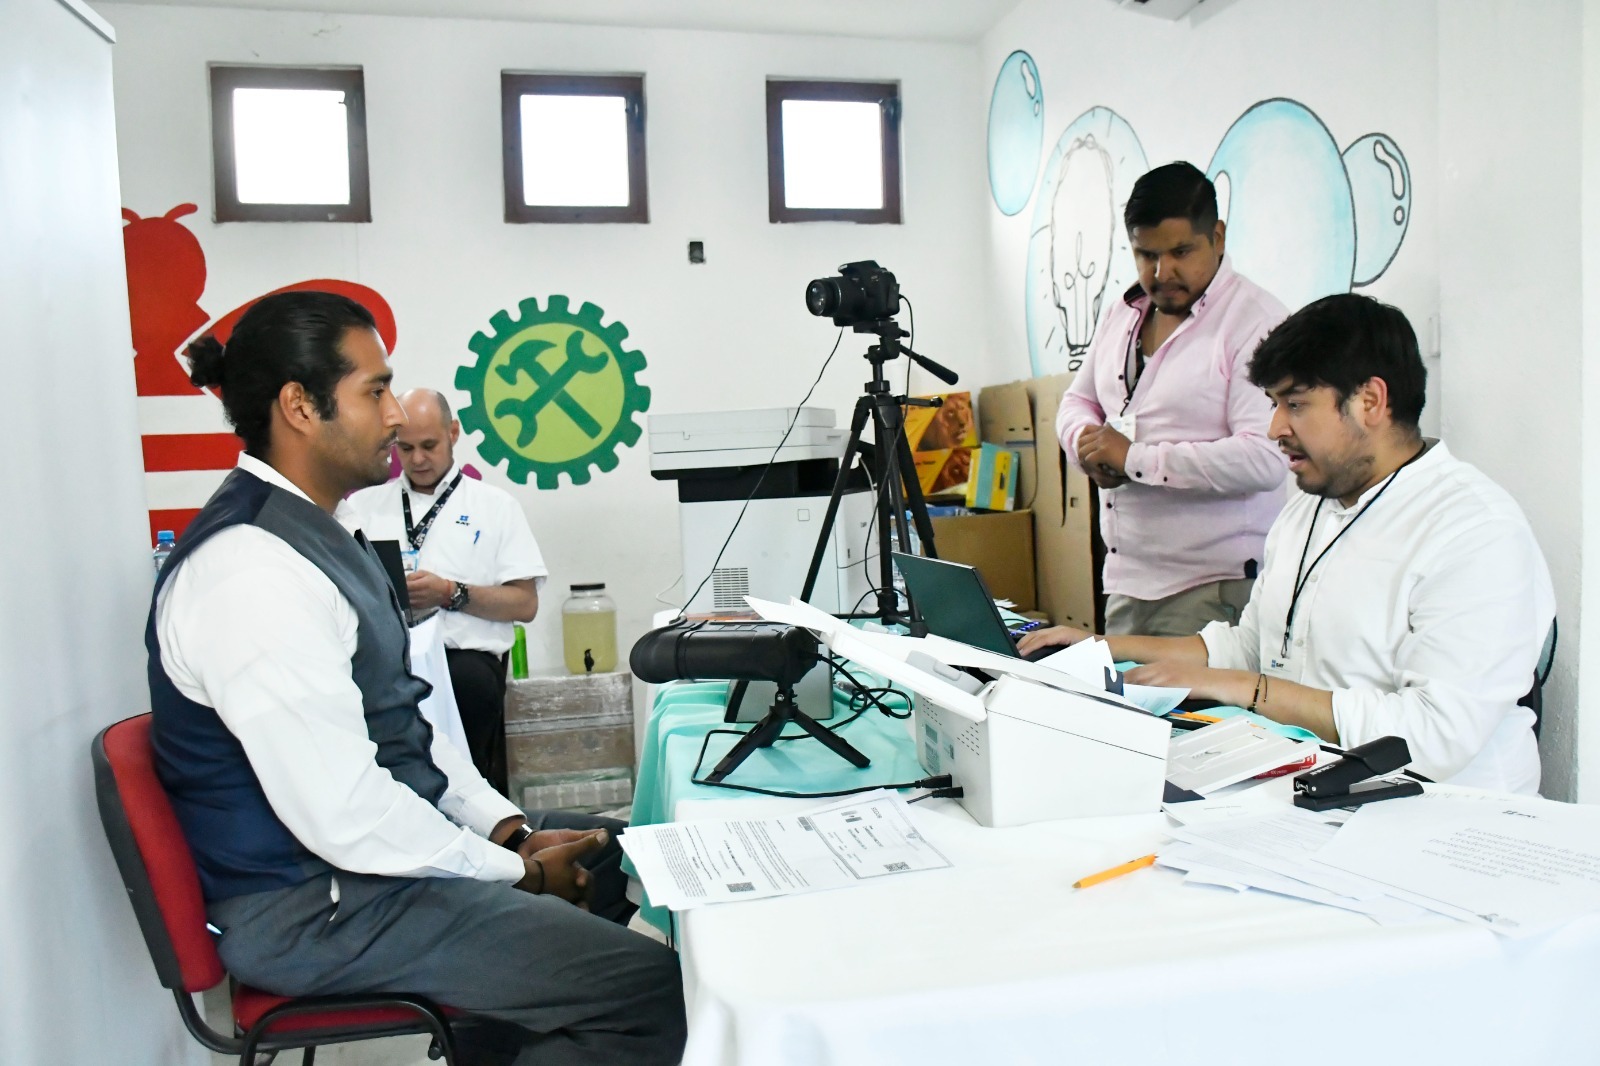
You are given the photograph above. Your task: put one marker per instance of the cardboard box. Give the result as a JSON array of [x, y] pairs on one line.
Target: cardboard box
[[1000, 545], [1005, 417], [1068, 582]]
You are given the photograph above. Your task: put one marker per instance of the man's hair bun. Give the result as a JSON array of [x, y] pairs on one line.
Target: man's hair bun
[[205, 362]]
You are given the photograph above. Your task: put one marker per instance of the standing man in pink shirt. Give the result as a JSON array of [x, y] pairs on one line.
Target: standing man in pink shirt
[[1163, 418]]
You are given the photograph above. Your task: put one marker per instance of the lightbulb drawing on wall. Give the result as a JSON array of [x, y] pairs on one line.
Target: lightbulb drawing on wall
[[1079, 258], [1082, 223]]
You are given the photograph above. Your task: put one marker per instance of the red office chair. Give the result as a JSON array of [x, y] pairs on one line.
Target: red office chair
[[159, 873]]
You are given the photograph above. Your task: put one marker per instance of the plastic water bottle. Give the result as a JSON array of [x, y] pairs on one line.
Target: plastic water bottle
[[519, 652], [166, 544]]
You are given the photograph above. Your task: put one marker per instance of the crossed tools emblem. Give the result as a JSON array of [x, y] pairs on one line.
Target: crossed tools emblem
[[550, 386]]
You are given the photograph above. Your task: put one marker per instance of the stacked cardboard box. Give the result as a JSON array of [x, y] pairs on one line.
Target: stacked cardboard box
[[1022, 415]]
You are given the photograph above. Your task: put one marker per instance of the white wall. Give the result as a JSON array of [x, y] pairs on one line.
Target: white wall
[[1362, 66], [1588, 645], [1511, 284], [731, 333], [1486, 99], [79, 985]]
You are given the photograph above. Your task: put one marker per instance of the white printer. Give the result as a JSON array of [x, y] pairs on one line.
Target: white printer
[[717, 458], [1030, 745]]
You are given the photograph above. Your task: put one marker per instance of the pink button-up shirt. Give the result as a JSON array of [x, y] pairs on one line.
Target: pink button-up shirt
[[1205, 479]]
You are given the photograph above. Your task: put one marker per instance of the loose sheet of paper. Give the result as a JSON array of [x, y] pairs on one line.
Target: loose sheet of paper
[[1515, 864], [847, 842]]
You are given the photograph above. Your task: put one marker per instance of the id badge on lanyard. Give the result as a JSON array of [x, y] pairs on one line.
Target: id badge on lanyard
[[1125, 424]]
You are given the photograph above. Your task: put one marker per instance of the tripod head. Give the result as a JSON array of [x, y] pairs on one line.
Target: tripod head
[[888, 332]]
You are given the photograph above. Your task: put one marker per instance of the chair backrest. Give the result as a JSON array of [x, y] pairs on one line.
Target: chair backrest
[[1534, 700], [154, 858]]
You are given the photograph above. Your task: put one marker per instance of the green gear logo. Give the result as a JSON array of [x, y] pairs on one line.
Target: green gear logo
[[552, 392]]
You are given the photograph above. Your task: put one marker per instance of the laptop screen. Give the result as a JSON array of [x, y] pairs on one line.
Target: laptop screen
[[955, 603]]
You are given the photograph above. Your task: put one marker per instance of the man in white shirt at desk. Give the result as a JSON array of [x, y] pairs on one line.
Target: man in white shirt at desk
[[477, 562], [1403, 593], [342, 845]]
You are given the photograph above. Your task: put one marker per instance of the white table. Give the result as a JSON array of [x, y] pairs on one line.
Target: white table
[[999, 960]]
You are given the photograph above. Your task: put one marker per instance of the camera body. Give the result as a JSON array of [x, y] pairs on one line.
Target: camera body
[[862, 292]]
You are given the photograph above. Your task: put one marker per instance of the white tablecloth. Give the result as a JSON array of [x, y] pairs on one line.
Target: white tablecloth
[[429, 663], [999, 960]]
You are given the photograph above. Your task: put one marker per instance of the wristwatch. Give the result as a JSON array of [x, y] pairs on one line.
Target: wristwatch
[[459, 598], [518, 835]]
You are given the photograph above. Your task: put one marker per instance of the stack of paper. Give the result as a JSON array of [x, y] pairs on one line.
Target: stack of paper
[[1272, 848], [1517, 865]]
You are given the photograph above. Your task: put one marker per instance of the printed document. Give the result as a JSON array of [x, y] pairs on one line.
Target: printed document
[[1516, 864], [847, 842]]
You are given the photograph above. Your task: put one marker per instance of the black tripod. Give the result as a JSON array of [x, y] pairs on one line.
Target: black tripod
[[892, 467], [764, 732]]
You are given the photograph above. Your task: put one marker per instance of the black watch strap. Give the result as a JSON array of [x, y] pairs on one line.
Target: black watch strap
[[460, 597], [517, 837]]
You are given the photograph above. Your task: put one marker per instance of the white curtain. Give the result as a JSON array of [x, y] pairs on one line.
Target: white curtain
[[78, 985]]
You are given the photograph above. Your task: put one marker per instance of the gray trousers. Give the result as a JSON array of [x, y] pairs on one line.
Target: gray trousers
[[557, 985], [1182, 614]]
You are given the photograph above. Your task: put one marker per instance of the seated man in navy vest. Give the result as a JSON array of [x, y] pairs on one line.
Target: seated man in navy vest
[[341, 846]]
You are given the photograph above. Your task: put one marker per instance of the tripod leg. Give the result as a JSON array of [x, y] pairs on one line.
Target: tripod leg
[[832, 741], [858, 422]]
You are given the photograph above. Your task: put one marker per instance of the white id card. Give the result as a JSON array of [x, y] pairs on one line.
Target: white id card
[[1124, 424]]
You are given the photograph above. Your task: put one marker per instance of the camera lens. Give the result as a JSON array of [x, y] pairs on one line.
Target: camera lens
[[822, 297]]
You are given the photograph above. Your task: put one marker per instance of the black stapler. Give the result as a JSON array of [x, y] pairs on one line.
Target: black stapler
[[1347, 782]]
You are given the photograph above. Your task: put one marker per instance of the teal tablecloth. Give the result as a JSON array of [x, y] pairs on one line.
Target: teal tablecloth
[[685, 712]]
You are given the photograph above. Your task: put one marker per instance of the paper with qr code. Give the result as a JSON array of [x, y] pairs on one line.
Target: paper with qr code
[[847, 842]]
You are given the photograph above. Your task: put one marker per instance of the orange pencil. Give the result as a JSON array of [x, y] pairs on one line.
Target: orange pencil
[[1115, 871]]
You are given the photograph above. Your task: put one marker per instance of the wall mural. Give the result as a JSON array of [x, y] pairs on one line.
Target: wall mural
[[1305, 219], [1016, 132], [182, 430], [1078, 252], [553, 392]]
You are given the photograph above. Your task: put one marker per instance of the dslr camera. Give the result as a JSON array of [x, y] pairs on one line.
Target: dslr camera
[[863, 292]]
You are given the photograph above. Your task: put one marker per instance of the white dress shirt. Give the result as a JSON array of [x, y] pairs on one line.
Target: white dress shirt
[[250, 627], [480, 537], [1426, 619]]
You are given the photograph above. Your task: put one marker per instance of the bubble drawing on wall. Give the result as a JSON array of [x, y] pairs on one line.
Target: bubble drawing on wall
[[1016, 132], [1291, 224], [1305, 220], [1380, 186], [1078, 251]]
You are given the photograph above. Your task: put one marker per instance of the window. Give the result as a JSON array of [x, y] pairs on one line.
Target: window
[[289, 145], [573, 147], [833, 151]]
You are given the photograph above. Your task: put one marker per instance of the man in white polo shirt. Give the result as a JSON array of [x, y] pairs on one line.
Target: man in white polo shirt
[[476, 561], [1403, 592]]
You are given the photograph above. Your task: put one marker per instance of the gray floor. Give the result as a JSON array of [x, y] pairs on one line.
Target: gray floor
[[396, 1051]]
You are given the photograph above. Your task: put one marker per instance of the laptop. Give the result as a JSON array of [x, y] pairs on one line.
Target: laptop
[[955, 603]]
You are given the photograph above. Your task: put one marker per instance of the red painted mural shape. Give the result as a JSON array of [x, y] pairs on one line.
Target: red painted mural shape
[[166, 278]]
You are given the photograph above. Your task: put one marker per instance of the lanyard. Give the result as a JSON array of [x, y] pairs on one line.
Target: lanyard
[[416, 534], [1302, 573], [1133, 361]]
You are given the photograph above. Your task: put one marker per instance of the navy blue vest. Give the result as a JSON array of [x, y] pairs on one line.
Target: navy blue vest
[[239, 844]]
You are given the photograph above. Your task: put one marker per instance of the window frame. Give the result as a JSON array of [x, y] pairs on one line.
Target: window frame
[[887, 96], [516, 84], [226, 206]]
